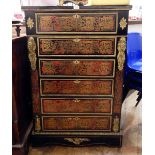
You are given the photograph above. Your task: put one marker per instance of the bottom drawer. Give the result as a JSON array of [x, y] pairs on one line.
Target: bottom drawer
[[73, 123]]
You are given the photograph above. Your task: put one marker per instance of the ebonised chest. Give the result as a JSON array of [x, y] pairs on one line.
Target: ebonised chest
[[77, 58]]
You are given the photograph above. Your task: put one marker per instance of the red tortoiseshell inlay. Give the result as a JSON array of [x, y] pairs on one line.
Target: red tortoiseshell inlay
[[48, 46], [77, 87], [76, 123], [76, 105], [49, 22], [77, 67]]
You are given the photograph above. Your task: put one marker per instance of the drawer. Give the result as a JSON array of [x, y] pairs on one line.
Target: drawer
[[50, 23], [79, 67], [78, 87], [81, 123], [77, 46], [76, 106]]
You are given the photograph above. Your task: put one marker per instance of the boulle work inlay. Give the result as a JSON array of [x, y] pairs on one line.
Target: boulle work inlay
[[80, 123], [51, 46], [48, 23], [77, 58], [76, 87], [80, 67], [84, 106]]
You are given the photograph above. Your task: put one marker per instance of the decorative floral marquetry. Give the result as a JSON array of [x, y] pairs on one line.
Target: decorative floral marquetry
[[30, 23], [77, 141], [121, 53], [123, 23]]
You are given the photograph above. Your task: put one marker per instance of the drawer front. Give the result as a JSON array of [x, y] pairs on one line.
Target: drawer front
[[104, 46], [77, 87], [76, 106], [78, 67], [81, 123], [76, 22]]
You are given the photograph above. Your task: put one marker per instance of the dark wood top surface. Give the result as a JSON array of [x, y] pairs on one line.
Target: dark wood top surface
[[51, 8]]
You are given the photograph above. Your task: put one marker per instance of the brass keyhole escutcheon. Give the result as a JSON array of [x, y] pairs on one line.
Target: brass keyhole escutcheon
[[76, 62]]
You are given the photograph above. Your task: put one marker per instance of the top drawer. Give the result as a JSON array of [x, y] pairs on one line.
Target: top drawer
[[71, 23]]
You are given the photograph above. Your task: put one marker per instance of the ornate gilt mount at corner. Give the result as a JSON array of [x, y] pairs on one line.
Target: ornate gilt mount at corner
[[121, 53], [123, 23], [32, 52], [37, 123], [77, 141], [116, 124], [77, 2], [30, 23]]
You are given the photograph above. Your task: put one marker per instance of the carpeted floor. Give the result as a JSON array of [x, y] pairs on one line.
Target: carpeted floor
[[131, 124]]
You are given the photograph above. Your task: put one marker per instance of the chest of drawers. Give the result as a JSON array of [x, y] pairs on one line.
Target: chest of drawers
[[77, 59]]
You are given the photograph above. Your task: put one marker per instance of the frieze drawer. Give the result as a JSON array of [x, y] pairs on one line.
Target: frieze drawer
[[76, 87], [76, 106], [77, 46], [48, 23], [72, 123], [77, 67]]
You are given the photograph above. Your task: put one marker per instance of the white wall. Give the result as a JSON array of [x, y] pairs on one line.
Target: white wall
[[135, 28]]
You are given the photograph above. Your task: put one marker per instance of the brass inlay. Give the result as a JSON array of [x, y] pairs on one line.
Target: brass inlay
[[30, 23], [77, 81], [73, 37], [32, 52], [76, 62], [123, 23], [107, 32], [77, 141], [76, 100], [116, 124], [78, 133], [37, 123], [121, 53], [74, 131]]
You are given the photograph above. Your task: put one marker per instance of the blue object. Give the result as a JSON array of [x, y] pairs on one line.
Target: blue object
[[133, 66]]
